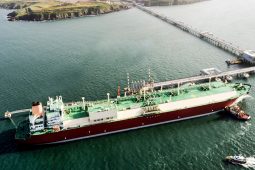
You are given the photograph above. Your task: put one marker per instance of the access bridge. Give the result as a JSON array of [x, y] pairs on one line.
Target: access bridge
[[193, 79], [207, 36]]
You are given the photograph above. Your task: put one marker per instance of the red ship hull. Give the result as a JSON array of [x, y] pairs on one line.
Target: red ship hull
[[124, 125]]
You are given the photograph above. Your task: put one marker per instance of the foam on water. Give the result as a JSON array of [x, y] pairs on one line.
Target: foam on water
[[250, 163], [242, 98]]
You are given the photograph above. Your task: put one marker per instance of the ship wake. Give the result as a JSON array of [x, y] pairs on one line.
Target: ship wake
[[250, 163]]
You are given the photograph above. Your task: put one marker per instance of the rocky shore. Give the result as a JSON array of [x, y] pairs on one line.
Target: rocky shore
[[55, 10]]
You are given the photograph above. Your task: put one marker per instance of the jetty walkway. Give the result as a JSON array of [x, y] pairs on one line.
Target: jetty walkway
[[194, 79], [206, 36]]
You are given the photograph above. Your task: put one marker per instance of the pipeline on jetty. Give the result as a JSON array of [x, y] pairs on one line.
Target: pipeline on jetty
[[205, 77], [207, 36]]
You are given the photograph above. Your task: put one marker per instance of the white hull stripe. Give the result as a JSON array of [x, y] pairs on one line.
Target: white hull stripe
[[123, 130]]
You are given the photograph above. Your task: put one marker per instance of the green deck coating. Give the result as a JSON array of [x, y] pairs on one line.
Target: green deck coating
[[154, 98], [74, 113], [187, 92]]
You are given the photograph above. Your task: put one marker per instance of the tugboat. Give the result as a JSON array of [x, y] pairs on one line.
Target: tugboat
[[236, 159], [237, 112]]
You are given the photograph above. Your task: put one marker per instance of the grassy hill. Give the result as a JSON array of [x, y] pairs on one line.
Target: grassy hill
[[52, 10]]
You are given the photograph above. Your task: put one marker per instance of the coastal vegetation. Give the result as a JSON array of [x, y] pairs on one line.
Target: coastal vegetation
[[54, 10]]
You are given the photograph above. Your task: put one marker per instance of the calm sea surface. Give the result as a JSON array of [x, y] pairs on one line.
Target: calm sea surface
[[90, 56]]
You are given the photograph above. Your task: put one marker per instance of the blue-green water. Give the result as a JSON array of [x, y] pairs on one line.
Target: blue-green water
[[90, 56]]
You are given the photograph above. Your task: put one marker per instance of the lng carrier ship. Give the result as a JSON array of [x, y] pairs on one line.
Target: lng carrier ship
[[140, 106]]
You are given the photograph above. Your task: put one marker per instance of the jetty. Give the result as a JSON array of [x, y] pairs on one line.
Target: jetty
[[203, 35], [238, 72]]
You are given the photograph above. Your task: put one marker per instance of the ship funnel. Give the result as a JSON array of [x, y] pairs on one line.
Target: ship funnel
[[37, 109]]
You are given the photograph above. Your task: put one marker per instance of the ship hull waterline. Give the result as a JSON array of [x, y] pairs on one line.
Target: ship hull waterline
[[124, 125]]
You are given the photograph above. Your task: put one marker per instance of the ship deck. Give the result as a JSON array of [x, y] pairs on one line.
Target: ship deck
[[158, 97], [132, 106], [187, 91], [74, 112]]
